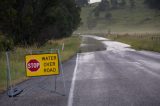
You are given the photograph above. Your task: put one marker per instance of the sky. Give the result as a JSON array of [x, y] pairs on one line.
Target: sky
[[93, 1]]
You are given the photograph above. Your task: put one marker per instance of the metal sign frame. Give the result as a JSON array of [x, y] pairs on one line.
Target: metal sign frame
[[61, 71], [14, 91]]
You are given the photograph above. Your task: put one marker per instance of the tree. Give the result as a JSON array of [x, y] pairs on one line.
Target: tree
[[154, 4], [108, 16], [36, 21], [122, 4], [81, 2], [132, 3], [114, 4], [104, 5], [96, 14]]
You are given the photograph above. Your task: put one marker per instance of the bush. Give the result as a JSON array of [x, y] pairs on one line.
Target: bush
[[108, 16], [6, 43]]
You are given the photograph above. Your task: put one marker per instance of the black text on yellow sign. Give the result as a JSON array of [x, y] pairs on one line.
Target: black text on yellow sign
[[42, 64]]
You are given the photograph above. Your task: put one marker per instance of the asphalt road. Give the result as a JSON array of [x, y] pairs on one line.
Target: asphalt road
[[114, 76]]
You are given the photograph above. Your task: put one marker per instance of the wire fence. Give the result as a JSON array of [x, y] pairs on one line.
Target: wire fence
[[12, 61], [146, 36], [12, 73]]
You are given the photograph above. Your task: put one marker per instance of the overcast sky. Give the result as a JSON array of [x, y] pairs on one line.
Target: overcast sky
[[93, 1]]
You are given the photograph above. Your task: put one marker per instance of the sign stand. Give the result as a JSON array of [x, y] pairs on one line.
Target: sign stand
[[61, 68], [40, 54], [55, 81], [11, 91], [55, 78]]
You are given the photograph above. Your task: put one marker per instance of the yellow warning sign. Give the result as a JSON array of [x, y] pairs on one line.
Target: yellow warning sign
[[42, 64]]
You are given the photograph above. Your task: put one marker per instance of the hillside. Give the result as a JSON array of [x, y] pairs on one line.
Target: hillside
[[137, 19]]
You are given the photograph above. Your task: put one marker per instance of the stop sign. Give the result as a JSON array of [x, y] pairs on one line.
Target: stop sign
[[33, 65]]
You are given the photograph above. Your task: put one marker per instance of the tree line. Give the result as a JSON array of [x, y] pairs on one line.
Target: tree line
[[81, 3], [154, 4], [27, 22], [116, 4], [106, 6]]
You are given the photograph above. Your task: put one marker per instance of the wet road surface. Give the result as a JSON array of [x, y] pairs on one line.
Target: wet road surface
[[115, 76]]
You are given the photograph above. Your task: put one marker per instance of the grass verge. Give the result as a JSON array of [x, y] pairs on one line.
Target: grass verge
[[17, 62], [148, 41]]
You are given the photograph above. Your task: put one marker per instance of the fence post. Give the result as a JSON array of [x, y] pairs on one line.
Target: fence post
[[9, 84], [63, 46], [11, 92]]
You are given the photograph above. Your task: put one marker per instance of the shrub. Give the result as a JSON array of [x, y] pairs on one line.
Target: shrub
[[6, 43]]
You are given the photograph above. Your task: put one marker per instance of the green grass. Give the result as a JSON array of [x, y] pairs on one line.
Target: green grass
[[2, 72], [140, 19], [148, 41], [17, 58], [72, 46]]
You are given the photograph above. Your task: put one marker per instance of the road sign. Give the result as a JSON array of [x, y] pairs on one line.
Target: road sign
[[33, 65], [42, 64]]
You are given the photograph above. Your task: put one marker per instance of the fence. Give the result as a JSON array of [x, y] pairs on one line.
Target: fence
[[151, 36], [13, 73]]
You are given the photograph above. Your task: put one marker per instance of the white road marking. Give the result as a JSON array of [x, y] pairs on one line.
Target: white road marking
[[71, 92]]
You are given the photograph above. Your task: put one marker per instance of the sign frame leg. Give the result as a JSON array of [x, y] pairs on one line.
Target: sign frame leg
[[61, 68], [55, 81]]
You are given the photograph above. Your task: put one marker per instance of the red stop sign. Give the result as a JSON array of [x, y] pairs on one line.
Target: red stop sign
[[33, 65]]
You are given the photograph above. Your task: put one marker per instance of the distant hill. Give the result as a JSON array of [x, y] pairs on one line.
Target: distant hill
[[128, 17]]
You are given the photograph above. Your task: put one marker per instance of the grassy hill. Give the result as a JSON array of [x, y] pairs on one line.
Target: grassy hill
[[122, 20]]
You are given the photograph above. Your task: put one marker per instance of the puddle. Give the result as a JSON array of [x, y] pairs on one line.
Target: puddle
[[90, 45]]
